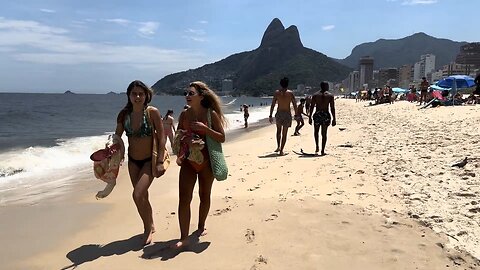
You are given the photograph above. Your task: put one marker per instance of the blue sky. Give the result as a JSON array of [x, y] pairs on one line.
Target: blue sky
[[96, 46]]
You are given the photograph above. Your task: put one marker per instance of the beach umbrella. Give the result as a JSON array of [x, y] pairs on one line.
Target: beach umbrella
[[461, 81], [436, 87], [400, 90]]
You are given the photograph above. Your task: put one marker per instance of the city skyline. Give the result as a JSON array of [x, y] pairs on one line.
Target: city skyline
[[97, 47]]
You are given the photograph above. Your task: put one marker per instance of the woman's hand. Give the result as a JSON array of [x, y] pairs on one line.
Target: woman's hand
[[199, 126]]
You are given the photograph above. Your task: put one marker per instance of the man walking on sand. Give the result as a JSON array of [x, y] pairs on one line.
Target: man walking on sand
[[283, 116], [321, 101]]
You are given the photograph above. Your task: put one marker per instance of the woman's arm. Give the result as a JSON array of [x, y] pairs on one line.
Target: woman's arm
[[120, 129], [216, 132], [158, 125]]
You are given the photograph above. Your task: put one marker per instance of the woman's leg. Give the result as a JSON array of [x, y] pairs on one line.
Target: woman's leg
[[205, 182], [141, 181], [170, 137], [186, 184]]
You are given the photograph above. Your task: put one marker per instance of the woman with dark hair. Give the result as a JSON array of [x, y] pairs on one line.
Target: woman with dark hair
[[168, 127], [192, 129], [141, 123]]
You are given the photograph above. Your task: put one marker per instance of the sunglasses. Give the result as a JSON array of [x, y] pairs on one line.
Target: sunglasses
[[189, 93]]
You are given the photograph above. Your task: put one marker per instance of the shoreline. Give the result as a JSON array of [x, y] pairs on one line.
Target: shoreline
[[357, 205]]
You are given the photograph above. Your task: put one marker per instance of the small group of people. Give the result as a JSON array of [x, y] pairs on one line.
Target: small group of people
[[142, 123], [322, 102]]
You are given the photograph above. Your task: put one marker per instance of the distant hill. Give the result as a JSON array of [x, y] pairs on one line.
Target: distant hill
[[281, 53], [398, 52]]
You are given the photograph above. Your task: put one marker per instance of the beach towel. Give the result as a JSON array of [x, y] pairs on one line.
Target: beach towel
[[106, 163]]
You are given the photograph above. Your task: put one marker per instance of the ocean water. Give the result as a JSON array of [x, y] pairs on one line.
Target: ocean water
[[46, 137]]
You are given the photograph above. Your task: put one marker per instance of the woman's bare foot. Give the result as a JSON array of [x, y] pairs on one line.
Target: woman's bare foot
[[277, 150], [181, 244]]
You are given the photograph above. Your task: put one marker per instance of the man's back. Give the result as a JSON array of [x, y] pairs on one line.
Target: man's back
[[321, 101], [284, 97]]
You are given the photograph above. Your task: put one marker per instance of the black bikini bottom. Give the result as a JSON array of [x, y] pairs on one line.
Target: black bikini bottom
[[139, 163]]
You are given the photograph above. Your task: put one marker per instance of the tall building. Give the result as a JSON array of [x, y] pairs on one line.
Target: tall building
[[366, 70], [405, 76], [429, 64], [456, 69], [469, 54], [354, 81], [417, 71], [424, 67]]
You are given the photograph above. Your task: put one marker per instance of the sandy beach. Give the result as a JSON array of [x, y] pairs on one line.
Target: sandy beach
[[384, 197]]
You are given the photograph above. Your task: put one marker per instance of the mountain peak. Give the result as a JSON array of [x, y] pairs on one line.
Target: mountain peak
[[276, 34]]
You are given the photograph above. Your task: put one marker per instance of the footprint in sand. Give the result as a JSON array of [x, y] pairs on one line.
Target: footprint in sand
[[254, 188], [250, 235], [218, 212], [272, 217]]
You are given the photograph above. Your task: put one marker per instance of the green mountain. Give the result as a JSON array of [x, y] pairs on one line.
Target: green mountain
[[258, 72], [397, 52]]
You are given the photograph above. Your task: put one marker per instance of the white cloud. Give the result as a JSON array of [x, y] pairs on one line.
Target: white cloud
[[46, 10], [30, 41], [328, 27], [148, 28], [195, 35], [418, 2], [203, 22], [122, 22], [199, 32]]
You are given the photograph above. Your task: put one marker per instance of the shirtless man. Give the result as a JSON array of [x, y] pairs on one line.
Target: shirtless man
[[321, 101], [283, 116], [424, 90]]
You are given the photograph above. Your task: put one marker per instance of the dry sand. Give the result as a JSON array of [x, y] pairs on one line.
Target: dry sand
[[385, 197]]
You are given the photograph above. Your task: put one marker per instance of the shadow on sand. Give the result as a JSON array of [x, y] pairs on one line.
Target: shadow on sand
[[164, 250], [272, 155], [91, 252]]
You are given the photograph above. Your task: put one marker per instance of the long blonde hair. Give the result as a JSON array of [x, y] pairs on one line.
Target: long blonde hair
[[210, 99]]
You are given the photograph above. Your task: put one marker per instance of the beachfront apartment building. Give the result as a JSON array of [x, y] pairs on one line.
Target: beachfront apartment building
[[469, 55], [424, 67], [366, 70], [354, 81], [405, 76]]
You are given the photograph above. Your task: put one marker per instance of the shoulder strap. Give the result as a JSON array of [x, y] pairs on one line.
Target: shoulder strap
[[209, 118]]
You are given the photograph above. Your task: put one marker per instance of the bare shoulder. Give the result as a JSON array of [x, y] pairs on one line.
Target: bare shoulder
[[152, 109]]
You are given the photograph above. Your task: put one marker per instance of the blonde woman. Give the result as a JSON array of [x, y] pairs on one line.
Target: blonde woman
[[193, 154], [140, 123]]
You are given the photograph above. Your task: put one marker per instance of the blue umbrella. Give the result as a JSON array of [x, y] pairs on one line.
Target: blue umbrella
[[462, 81], [400, 90]]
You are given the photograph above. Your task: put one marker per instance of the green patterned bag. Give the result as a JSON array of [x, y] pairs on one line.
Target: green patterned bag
[[217, 160]]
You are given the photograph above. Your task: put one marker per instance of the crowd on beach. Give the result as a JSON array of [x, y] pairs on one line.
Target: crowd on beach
[[196, 144], [424, 95]]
